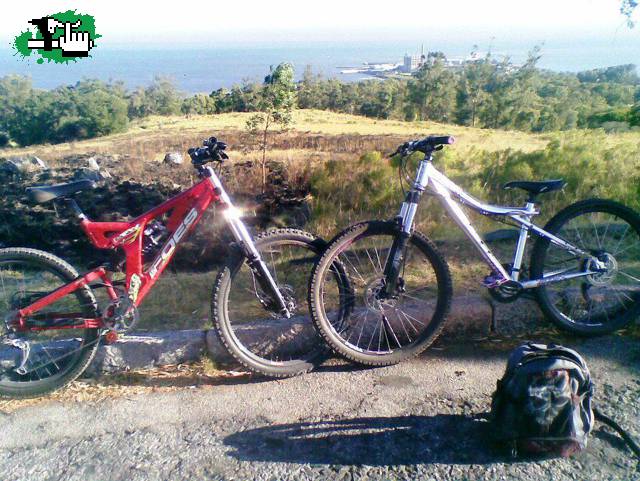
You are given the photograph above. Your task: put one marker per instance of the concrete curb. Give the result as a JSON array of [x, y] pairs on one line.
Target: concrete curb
[[470, 318]]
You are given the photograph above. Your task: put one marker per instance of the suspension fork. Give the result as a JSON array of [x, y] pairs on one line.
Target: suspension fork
[[241, 234], [405, 220]]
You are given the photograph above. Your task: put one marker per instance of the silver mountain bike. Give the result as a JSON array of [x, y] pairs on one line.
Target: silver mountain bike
[[584, 268]]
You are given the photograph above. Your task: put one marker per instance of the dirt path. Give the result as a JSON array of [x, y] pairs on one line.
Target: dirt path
[[418, 420]]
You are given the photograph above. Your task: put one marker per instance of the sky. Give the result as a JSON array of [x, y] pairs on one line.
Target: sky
[[207, 23]]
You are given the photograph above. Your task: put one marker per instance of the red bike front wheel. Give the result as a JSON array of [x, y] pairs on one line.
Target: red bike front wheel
[[256, 335]]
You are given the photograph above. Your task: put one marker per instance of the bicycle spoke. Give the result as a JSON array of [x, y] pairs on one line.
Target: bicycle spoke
[[629, 276]]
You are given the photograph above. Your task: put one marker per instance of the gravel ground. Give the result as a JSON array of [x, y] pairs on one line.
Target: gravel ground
[[423, 419]]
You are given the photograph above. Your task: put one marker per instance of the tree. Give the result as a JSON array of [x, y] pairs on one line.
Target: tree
[[277, 99], [199, 104], [309, 94], [432, 92], [472, 86], [627, 7], [162, 97]]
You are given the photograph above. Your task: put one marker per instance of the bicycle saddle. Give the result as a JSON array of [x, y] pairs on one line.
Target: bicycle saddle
[[45, 193], [534, 187]]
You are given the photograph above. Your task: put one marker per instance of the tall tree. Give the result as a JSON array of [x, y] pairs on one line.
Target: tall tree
[[472, 86], [275, 109], [432, 92]]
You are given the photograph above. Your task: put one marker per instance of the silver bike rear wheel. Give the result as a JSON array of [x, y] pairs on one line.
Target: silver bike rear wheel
[[598, 303]]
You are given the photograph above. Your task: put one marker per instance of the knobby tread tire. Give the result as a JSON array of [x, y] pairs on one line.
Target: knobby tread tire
[[445, 294], [221, 289], [45, 386], [538, 256]]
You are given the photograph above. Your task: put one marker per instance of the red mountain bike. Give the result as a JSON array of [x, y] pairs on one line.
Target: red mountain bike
[[52, 321]]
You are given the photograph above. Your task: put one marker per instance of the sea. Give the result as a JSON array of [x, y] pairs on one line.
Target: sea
[[203, 69]]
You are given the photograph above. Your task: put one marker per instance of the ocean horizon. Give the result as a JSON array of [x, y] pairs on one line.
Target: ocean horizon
[[203, 69]]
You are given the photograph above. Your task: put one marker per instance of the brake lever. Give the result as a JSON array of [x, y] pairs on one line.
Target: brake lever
[[403, 150]]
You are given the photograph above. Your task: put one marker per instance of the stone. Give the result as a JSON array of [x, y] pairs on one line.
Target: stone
[[86, 173], [140, 351], [173, 158], [92, 163], [23, 165]]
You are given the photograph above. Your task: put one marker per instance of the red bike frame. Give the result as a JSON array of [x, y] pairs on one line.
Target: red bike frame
[[186, 211]]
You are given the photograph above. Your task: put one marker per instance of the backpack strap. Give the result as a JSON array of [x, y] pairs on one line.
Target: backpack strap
[[603, 418]]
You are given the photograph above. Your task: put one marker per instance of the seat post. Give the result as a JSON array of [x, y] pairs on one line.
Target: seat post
[[75, 207]]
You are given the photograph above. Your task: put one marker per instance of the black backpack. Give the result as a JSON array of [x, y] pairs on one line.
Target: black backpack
[[543, 402]]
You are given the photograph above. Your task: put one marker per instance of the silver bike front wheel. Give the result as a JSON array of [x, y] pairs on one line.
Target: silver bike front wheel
[[360, 322]]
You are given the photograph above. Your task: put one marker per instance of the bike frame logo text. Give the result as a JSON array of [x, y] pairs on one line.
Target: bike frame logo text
[[171, 244], [59, 37]]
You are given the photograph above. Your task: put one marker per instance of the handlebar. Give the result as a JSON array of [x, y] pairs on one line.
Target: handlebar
[[212, 151], [426, 146]]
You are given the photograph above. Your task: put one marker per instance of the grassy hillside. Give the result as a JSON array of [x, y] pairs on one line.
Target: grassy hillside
[[171, 131], [339, 159], [336, 163]]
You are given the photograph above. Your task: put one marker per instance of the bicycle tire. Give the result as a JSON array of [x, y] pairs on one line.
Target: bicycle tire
[[328, 331], [66, 273], [223, 325], [539, 256]]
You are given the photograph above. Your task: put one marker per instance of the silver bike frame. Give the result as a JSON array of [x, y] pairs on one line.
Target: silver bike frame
[[452, 196]]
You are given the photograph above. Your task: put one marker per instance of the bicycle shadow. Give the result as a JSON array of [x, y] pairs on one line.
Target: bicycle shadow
[[372, 441]]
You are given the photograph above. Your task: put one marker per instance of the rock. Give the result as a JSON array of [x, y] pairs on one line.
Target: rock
[[173, 158], [92, 163], [146, 351], [23, 165], [91, 174], [215, 348]]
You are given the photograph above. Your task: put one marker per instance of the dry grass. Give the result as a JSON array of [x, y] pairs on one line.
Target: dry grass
[[145, 135], [200, 375], [316, 136]]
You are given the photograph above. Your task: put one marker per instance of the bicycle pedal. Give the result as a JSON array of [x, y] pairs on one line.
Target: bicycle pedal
[[492, 281]]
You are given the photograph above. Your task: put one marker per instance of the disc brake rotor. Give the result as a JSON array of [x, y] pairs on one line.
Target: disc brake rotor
[[602, 279]]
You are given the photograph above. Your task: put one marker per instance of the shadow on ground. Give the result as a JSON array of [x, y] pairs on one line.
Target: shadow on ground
[[374, 441]]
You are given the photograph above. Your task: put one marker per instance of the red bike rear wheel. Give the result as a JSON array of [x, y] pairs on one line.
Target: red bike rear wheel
[[35, 362]]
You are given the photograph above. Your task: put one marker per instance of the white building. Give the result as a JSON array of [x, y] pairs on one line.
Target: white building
[[411, 63]]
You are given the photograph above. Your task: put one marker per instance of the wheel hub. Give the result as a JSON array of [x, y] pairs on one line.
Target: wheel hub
[[288, 294], [604, 277], [373, 296]]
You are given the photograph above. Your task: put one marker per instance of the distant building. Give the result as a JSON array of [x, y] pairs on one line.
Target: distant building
[[411, 63]]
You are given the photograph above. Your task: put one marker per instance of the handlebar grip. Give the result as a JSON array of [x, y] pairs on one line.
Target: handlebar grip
[[442, 140]]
